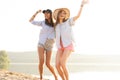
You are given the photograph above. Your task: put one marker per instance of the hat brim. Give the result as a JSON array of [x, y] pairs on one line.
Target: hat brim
[[47, 11], [57, 10], [43, 11]]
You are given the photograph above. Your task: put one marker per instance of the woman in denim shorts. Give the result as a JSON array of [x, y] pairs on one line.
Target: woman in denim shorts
[[46, 40]]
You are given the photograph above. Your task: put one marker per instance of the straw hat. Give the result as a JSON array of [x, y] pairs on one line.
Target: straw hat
[[57, 10]]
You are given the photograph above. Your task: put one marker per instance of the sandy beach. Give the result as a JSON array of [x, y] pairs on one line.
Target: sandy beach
[[114, 75]]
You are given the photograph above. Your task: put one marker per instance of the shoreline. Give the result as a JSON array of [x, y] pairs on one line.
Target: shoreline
[[88, 75]]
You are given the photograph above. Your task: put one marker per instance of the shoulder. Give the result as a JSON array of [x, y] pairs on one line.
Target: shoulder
[[71, 19], [68, 20]]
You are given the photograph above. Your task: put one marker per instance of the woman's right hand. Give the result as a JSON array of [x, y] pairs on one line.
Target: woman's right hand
[[32, 18]]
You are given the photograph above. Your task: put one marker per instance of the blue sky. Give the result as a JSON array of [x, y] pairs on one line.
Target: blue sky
[[97, 31]]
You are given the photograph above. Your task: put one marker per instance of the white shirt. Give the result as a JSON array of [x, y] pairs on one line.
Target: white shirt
[[64, 30], [46, 32]]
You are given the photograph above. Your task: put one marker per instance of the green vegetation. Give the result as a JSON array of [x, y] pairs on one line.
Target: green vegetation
[[4, 60]]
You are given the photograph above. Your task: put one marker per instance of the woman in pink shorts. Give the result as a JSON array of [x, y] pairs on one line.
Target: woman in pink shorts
[[64, 38]]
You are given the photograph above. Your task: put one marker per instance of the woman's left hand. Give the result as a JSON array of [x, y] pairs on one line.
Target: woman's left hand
[[84, 2]]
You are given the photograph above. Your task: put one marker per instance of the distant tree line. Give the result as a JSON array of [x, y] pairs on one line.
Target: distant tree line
[[4, 60]]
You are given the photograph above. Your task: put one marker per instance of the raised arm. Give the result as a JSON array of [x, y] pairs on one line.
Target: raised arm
[[32, 18], [80, 10]]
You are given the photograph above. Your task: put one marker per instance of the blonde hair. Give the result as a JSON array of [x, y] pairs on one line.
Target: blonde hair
[[58, 20]]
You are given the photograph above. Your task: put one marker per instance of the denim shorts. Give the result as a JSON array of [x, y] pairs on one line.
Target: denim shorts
[[48, 44]]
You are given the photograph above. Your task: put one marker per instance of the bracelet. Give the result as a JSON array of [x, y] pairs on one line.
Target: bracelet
[[33, 15], [37, 12], [82, 5]]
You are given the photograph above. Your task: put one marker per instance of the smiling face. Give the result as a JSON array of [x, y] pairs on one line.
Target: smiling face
[[47, 15], [62, 15]]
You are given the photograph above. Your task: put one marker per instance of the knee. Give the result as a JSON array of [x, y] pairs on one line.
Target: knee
[[41, 64], [62, 63], [48, 64], [41, 61], [57, 65]]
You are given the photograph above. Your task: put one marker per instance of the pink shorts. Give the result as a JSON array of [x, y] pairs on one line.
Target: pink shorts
[[69, 47]]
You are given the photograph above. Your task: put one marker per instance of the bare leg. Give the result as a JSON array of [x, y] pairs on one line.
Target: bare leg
[[41, 61], [58, 65], [48, 60], [64, 58]]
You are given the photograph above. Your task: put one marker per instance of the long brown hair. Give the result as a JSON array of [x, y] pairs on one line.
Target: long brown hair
[[57, 20], [51, 23]]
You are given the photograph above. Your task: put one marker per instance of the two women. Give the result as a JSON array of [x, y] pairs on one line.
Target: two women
[[64, 39]]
